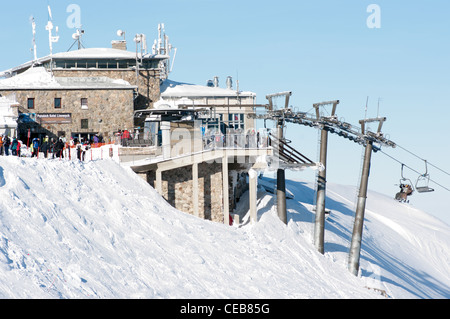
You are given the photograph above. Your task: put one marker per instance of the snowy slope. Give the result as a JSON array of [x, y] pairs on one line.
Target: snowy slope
[[96, 230]]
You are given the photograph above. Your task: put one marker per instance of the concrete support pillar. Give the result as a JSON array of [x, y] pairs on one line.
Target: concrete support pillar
[[195, 188], [253, 186], [281, 195], [319, 226], [158, 185], [281, 179], [165, 139], [226, 197], [355, 246]]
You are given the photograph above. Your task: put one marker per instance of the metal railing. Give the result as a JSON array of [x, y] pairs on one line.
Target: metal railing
[[235, 141]]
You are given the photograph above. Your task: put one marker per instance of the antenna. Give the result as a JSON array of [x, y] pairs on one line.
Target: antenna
[[77, 37], [33, 24], [121, 33], [365, 112], [51, 39], [378, 106]]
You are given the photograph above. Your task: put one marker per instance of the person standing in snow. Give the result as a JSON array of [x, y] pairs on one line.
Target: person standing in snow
[[19, 145], [6, 144], [44, 146], [78, 148], [52, 147], [85, 148], [1, 144], [95, 140], [125, 137], [35, 145], [59, 147], [14, 146]]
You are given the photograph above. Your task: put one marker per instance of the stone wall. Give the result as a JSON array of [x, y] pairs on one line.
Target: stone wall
[[177, 189], [147, 81], [107, 111]]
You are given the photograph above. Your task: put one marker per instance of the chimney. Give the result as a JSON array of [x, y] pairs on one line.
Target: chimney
[[216, 81], [229, 83], [119, 44]]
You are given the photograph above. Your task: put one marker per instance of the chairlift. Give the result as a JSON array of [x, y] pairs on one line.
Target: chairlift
[[405, 181], [406, 188], [423, 182]]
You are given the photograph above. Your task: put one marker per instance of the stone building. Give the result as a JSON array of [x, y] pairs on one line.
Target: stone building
[[84, 92], [197, 142]]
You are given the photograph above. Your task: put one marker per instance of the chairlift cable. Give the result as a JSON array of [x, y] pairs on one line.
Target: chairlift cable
[[423, 159], [412, 169]]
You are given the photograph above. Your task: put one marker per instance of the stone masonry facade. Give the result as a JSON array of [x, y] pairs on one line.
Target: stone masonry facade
[[148, 82], [106, 111], [177, 189]]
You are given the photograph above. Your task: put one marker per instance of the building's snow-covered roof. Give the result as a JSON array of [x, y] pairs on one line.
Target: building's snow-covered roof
[[90, 53], [172, 89], [174, 94], [40, 78], [32, 78], [104, 53]]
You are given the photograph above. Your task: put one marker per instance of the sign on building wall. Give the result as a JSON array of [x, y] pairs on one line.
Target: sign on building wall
[[54, 118]]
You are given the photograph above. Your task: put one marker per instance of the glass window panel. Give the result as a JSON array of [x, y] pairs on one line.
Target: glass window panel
[[112, 64], [92, 64], [123, 64], [30, 103], [57, 103], [84, 103], [70, 64], [84, 123], [102, 64]]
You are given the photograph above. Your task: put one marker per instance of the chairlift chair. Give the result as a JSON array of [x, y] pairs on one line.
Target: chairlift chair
[[406, 188], [406, 181], [423, 182]]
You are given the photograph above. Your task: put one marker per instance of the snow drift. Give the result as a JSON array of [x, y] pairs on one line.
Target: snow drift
[[70, 229]]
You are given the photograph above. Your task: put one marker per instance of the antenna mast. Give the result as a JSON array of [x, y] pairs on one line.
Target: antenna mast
[[33, 24], [49, 27], [77, 37]]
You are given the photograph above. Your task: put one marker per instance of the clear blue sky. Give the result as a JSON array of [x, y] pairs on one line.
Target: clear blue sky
[[320, 50]]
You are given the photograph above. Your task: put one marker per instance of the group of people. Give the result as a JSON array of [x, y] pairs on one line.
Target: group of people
[[8, 145], [125, 136], [52, 146], [47, 146]]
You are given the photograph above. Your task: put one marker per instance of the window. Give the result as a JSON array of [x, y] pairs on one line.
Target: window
[[236, 120], [84, 123], [57, 102], [70, 64], [91, 64], [84, 103], [102, 64], [30, 103]]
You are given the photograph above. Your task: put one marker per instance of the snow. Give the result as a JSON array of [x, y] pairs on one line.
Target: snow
[[7, 117], [40, 78], [170, 88], [76, 230], [36, 77]]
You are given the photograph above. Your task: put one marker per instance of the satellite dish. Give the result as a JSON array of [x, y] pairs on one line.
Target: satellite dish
[[75, 36], [120, 33]]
